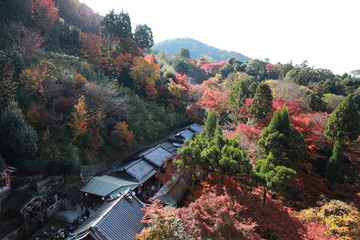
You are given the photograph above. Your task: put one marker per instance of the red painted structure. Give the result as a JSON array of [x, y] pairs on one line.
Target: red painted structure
[[5, 179]]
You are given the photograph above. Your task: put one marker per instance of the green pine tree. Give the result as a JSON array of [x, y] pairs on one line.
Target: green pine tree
[[344, 122], [211, 151], [262, 102], [284, 141], [273, 178]]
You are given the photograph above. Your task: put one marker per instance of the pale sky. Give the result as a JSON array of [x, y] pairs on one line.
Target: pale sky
[[324, 32]]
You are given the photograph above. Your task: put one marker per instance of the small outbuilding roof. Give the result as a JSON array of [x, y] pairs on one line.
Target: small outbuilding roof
[[104, 185]]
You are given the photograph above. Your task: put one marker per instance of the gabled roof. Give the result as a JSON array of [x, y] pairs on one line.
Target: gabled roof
[[104, 185], [187, 134], [197, 128], [121, 221], [177, 139], [171, 146], [140, 170], [157, 155]]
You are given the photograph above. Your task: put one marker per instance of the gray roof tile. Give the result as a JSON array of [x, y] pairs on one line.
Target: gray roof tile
[[187, 134], [140, 169], [157, 155], [122, 221], [196, 128]]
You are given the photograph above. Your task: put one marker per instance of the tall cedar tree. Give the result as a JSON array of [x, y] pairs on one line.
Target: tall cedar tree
[[334, 163], [117, 25], [184, 53], [273, 178], [284, 141], [238, 94], [17, 137], [143, 36], [262, 102], [210, 124], [344, 122], [344, 127]]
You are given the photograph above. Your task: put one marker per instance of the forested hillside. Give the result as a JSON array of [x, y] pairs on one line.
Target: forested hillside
[[75, 87], [197, 49], [279, 158]]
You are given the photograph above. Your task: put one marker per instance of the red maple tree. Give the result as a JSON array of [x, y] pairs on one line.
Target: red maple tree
[[44, 12], [91, 48]]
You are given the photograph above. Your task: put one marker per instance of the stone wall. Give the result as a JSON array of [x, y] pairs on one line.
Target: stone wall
[[93, 169], [48, 185], [53, 209]]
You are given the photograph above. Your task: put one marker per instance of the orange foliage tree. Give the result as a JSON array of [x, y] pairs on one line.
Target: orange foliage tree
[[151, 92], [79, 123], [80, 80], [44, 12], [122, 61], [40, 80], [128, 137], [144, 72]]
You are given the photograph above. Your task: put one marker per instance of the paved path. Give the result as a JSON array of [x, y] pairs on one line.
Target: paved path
[[69, 215]]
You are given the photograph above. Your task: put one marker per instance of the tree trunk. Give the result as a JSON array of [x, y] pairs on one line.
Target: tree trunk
[[193, 179], [206, 171], [265, 189]]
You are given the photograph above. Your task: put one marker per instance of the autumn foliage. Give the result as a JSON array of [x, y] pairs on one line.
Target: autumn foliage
[[44, 12], [342, 219], [144, 72], [79, 124], [80, 80], [122, 61], [151, 91], [215, 100], [213, 67], [231, 213], [40, 79], [128, 137], [91, 48]]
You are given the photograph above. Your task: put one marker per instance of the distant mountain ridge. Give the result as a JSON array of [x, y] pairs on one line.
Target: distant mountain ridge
[[197, 48]]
